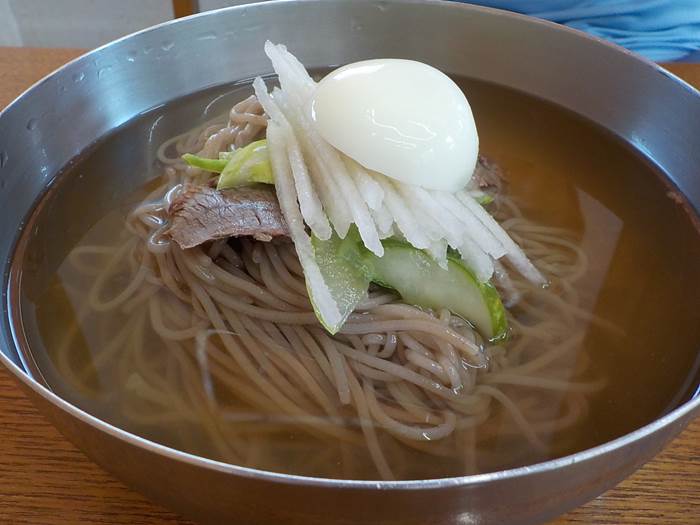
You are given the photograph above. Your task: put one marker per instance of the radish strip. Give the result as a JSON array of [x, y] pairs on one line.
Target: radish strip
[[335, 168], [297, 83], [331, 196], [384, 221], [475, 258], [515, 254], [284, 185], [371, 191], [309, 201], [402, 217], [474, 230]]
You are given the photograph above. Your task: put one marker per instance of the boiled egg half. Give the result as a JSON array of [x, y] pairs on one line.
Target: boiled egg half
[[401, 118]]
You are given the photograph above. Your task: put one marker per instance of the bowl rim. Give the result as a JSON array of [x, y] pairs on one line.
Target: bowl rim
[[671, 417]]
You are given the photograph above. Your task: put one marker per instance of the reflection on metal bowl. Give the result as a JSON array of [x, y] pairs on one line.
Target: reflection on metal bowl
[[603, 83]]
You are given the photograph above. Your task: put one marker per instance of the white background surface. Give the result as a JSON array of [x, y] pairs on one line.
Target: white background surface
[[83, 23]]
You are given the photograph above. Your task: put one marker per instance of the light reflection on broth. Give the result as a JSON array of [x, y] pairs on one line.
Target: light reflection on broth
[[562, 172]]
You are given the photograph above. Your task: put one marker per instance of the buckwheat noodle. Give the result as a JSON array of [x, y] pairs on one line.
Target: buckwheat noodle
[[220, 342]]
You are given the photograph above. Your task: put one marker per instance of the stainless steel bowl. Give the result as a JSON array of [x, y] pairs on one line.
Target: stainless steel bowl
[[67, 111]]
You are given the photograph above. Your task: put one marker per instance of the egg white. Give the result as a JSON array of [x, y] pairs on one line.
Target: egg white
[[401, 118]]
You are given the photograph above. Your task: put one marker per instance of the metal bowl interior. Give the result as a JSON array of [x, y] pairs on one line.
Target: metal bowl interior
[[108, 87]]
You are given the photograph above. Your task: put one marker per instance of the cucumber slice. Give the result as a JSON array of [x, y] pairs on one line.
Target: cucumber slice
[[247, 165], [213, 165], [483, 198], [420, 281], [344, 274]]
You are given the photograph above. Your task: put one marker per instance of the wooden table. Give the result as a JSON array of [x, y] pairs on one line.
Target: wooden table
[[44, 480]]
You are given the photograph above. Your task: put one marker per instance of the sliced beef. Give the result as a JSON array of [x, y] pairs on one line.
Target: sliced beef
[[200, 214], [487, 175]]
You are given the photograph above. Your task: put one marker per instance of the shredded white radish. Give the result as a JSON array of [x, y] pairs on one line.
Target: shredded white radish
[[277, 140], [331, 196], [384, 221], [309, 202], [405, 221], [472, 228], [515, 254], [333, 169], [476, 259], [511, 295], [289, 69], [421, 200], [436, 234], [438, 251], [322, 187], [369, 188], [295, 80]]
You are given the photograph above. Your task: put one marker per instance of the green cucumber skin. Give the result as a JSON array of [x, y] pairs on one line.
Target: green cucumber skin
[[259, 171], [213, 165], [426, 284], [341, 270], [231, 164]]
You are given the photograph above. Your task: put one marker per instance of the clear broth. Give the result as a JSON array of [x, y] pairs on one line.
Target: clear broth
[[643, 247]]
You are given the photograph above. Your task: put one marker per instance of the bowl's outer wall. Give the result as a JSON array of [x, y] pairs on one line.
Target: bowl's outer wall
[[215, 497], [66, 112]]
